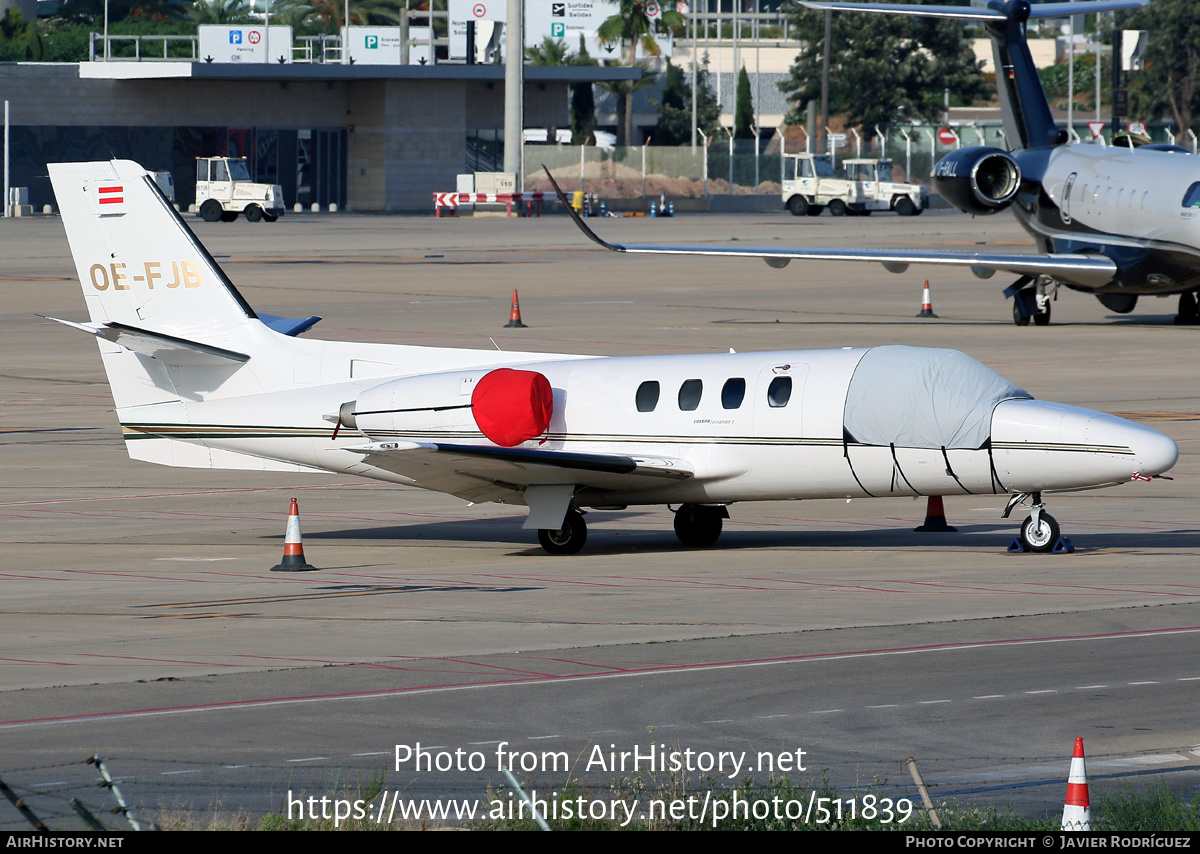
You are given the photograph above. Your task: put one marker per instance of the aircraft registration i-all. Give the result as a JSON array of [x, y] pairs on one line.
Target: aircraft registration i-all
[[200, 380], [1114, 222]]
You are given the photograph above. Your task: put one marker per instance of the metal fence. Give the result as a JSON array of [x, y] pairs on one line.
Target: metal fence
[[649, 171]]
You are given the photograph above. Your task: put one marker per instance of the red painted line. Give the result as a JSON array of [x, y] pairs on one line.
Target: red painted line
[[641, 671], [191, 663]]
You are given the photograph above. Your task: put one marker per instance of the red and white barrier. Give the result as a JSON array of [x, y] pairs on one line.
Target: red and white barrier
[[533, 201]]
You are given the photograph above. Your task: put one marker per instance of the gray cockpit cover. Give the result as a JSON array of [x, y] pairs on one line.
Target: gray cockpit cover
[[915, 397]]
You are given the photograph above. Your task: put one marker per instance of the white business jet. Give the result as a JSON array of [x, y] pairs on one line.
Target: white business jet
[[1116, 222], [200, 380]]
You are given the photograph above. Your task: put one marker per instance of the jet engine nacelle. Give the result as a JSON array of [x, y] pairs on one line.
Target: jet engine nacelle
[[505, 405], [980, 180], [427, 403]]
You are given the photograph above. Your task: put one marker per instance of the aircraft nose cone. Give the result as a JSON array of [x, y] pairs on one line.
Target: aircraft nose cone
[[1044, 445], [1154, 452], [1151, 452]]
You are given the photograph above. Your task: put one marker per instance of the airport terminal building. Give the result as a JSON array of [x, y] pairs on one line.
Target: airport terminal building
[[364, 137]]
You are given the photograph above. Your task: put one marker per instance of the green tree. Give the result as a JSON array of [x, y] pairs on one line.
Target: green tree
[[14, 35], [92, 11], [219, 12], [1170, 81], [632, 27], [583, 101], [880, 63], [549, 52], [743, 114], [675, 118]]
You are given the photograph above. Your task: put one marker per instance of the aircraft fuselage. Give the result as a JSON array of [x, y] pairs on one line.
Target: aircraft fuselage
[[1079, 199]]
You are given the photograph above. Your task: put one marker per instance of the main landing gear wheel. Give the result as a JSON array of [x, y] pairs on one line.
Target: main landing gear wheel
[[211, 211], [1189, 311], [1025, 309], [568, 539], [798, 205], [254, 213], [837, 207], [905, 207], [698, 526], [1042, 536], [1018, 318]]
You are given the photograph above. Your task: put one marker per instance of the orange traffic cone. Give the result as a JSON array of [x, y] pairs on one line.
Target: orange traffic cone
[[926, 303], [514, 316], [935, 517], [1077, 812], [293, 547]]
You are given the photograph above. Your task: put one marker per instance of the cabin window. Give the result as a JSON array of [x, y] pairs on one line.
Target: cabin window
[[1120, 196], [647, 396], [733, 393], [779, 392], [1083, 193], [1191, 199], [689, 394], [1108, 195]]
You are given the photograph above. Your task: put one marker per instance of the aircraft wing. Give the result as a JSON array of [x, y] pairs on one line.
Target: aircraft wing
[[488, 473], [1087, 271], [979, 13]]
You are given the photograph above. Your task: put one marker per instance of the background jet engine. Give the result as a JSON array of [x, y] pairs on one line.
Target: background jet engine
[[980, 180]]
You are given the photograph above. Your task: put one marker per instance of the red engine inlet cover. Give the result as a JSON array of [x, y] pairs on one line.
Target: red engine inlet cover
[[512, 406]]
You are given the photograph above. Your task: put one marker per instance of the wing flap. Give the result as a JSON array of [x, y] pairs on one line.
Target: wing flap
[[487, 473], [1089, 271]]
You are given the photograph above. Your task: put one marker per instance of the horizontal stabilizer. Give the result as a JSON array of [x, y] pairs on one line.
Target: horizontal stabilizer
[[167, 348], [289, 325]]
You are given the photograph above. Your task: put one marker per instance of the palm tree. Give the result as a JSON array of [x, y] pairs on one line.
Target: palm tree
[[219, 12], [633, 27]]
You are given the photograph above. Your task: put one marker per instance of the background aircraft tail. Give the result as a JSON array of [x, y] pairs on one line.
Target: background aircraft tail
[[1028, 122]]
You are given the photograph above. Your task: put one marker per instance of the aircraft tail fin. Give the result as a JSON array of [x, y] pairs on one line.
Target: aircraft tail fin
[[138, 262], [170, 325], [1028, 122]]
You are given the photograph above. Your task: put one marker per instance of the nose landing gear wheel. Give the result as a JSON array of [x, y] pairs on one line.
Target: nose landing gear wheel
[[698, 526], [1042, 536], [568, 539]]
